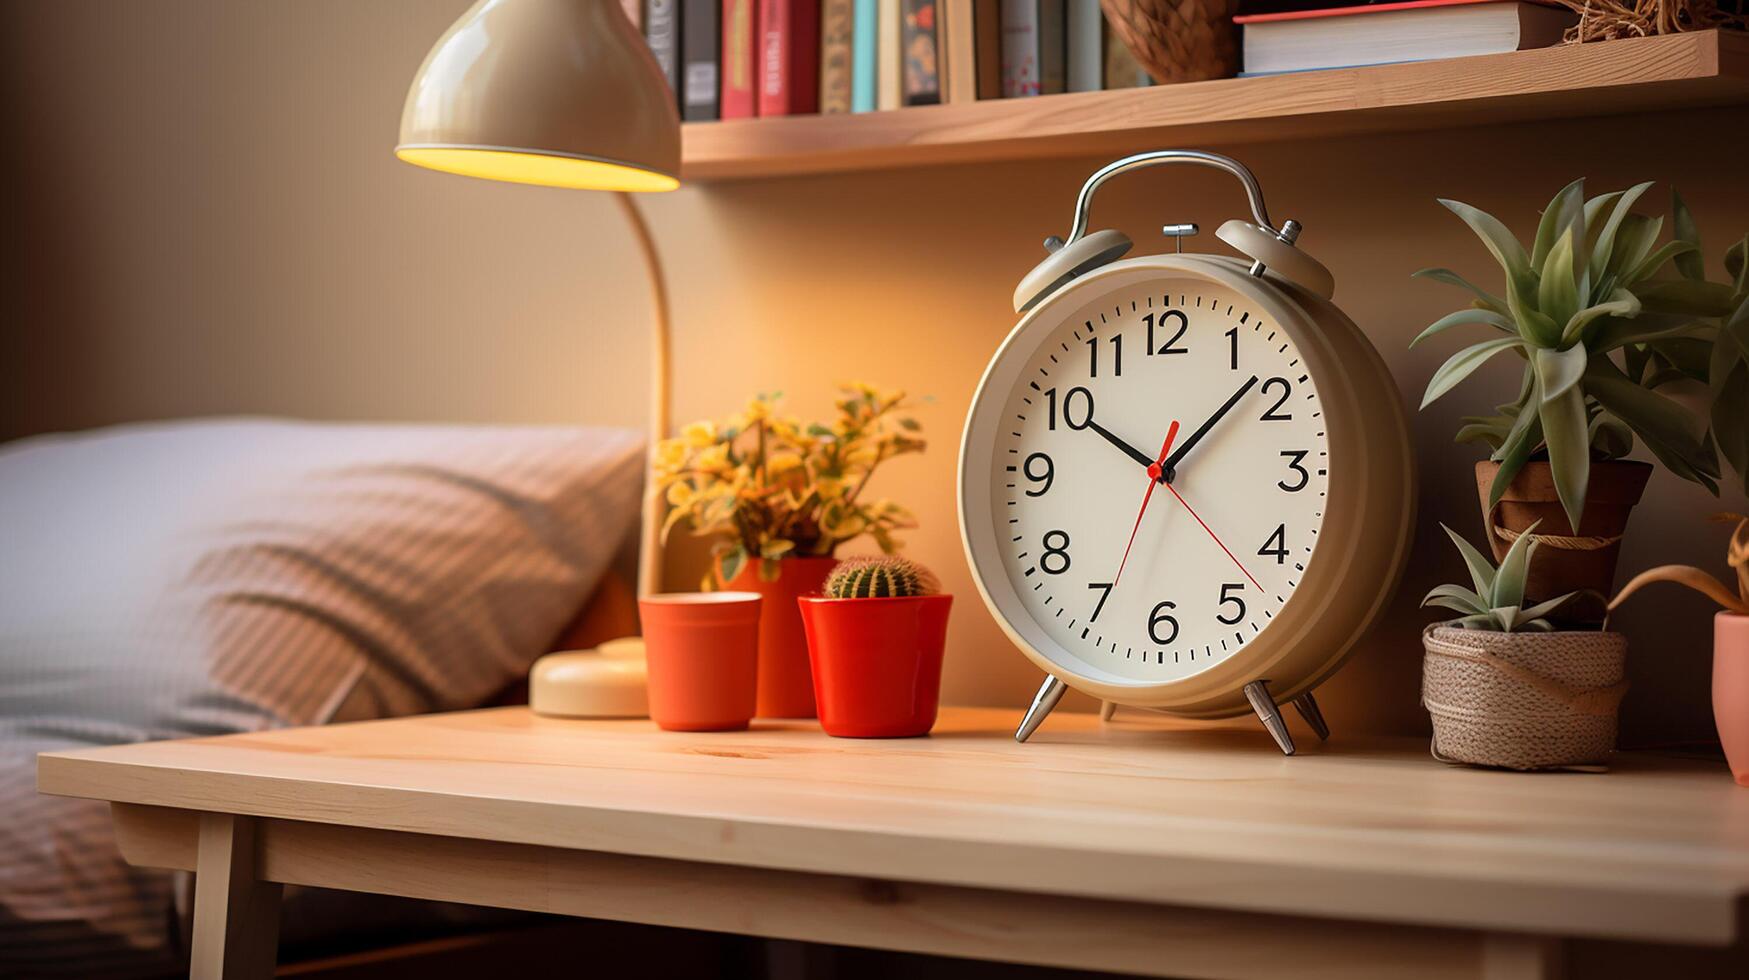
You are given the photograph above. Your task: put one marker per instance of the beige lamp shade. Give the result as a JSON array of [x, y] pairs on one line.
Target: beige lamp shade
[[556, 92]]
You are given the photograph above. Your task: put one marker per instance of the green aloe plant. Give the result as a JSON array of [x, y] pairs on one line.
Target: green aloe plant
[[1497, 601], [1721, 361], [1586, 292]]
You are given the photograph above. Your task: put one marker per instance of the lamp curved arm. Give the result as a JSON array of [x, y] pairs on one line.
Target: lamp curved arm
[[650, 537], [1154, 158]]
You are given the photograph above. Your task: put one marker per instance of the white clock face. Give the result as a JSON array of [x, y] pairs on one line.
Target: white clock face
[[1160, 478]]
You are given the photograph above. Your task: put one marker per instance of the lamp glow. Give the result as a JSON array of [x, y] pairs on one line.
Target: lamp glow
[[525, 167]]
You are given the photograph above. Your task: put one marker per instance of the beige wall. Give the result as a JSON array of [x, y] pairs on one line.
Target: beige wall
[[212, 222]]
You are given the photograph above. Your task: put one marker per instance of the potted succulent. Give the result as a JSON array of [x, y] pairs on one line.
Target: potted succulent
[[875, 639], [780, 498], [1730, 640], [1597, 328], [1504, 687]]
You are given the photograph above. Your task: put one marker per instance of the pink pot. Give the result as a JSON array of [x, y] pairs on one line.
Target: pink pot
[[1731, 690]]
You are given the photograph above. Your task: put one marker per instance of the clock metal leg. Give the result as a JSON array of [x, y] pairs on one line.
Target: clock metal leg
[[1049, 693], [1107, 709], [1257, 692], [1308, 707]]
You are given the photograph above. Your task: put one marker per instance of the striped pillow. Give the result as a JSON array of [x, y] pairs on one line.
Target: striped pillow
[[168, 580]]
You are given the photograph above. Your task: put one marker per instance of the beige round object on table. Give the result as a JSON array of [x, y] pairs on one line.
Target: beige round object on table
[[606, 682]]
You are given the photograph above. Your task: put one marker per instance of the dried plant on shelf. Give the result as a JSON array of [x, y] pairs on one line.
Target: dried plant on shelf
[[1736, 553], [772, 487], [1497, 602], [1606, 20]]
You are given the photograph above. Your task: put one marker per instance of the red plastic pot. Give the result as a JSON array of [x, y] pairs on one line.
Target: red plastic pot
[[877, 663], [786, 687]]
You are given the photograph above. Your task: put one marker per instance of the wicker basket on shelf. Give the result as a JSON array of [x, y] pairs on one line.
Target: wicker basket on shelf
[[1178, 40]]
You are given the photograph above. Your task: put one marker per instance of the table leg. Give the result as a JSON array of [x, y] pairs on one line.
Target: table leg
[[236, 914]]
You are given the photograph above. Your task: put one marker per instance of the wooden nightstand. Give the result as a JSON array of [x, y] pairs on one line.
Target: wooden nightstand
[[1124, 847]]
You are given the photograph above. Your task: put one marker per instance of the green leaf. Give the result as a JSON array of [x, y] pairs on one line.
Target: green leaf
[[1542, 609], [1462, 317], [1683, 296], [1605, 242], [732, 562], [1730, 415], [1634, 242], [1557, 371], [1526, 433], [1737, 264], [1609, 437], [1558, 294], [1460, 365], [1455, 597], [1690, 264], [1566, 211], [1648, 267], [1614, 332], [1505, 248], [1509, 580], [1486, 299], [1481, 569], [1567, 434], [1621, 303], [1481, 621], [1666, 428]]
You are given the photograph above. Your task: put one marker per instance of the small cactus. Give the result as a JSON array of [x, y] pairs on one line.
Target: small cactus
[[879, 578]]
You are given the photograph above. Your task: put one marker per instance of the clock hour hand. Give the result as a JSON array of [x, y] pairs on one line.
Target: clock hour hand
[[1132, 452], [1169, 471]]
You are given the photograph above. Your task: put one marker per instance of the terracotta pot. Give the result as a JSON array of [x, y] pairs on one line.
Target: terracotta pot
[[786, 684], [877, 663], [702, 652], [1561, 567], [1731, 690]]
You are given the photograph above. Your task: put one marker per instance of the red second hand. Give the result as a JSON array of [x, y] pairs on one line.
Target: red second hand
[[1217, 537], [1153, 480]]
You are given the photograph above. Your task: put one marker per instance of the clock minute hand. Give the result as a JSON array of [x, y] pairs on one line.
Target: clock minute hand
[[1128, 450], [1169, 471]]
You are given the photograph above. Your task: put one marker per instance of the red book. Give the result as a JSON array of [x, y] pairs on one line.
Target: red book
[[740, 72], [789, 57]]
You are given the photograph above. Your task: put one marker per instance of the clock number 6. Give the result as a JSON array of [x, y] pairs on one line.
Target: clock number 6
[[1228, 598], [1058, 551], [1159, 616]]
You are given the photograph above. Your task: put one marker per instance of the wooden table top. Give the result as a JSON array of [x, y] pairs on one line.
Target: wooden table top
[[1371, 829]]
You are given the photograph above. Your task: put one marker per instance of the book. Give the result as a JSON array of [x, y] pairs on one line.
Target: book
[[740, 24], [701, 38], [1086, 43], [959, 45], [1053, 47], [1122, 70], [1420, 30], [921, 53], [987, 47], [662, 31], [789, 57], [1019, 48], [634, 12], [837, 54], [889, 84], [864, 45]]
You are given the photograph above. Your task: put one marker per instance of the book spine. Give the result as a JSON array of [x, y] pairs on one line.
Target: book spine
[[789, 57], [837, 54], [740, 25], [1121, 68], [1019, 48], [865, 42], [889, 85], [921, 45], [959, 46], [701, 37], [662, 31], [1086, 57], [1053, 47], [987, 47]]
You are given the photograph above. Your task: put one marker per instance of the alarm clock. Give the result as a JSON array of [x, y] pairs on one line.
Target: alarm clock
[[1186, 481]]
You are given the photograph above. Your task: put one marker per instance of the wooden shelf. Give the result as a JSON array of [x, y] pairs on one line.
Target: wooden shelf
[[1636, 75]]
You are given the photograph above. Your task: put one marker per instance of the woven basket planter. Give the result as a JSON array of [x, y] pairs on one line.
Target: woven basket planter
[[1523, 700], [1178, 40]]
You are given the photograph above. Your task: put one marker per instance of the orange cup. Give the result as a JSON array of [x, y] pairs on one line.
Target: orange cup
[[703, 654]]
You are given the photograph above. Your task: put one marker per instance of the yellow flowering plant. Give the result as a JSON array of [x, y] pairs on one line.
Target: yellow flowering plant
[[770, 487]]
